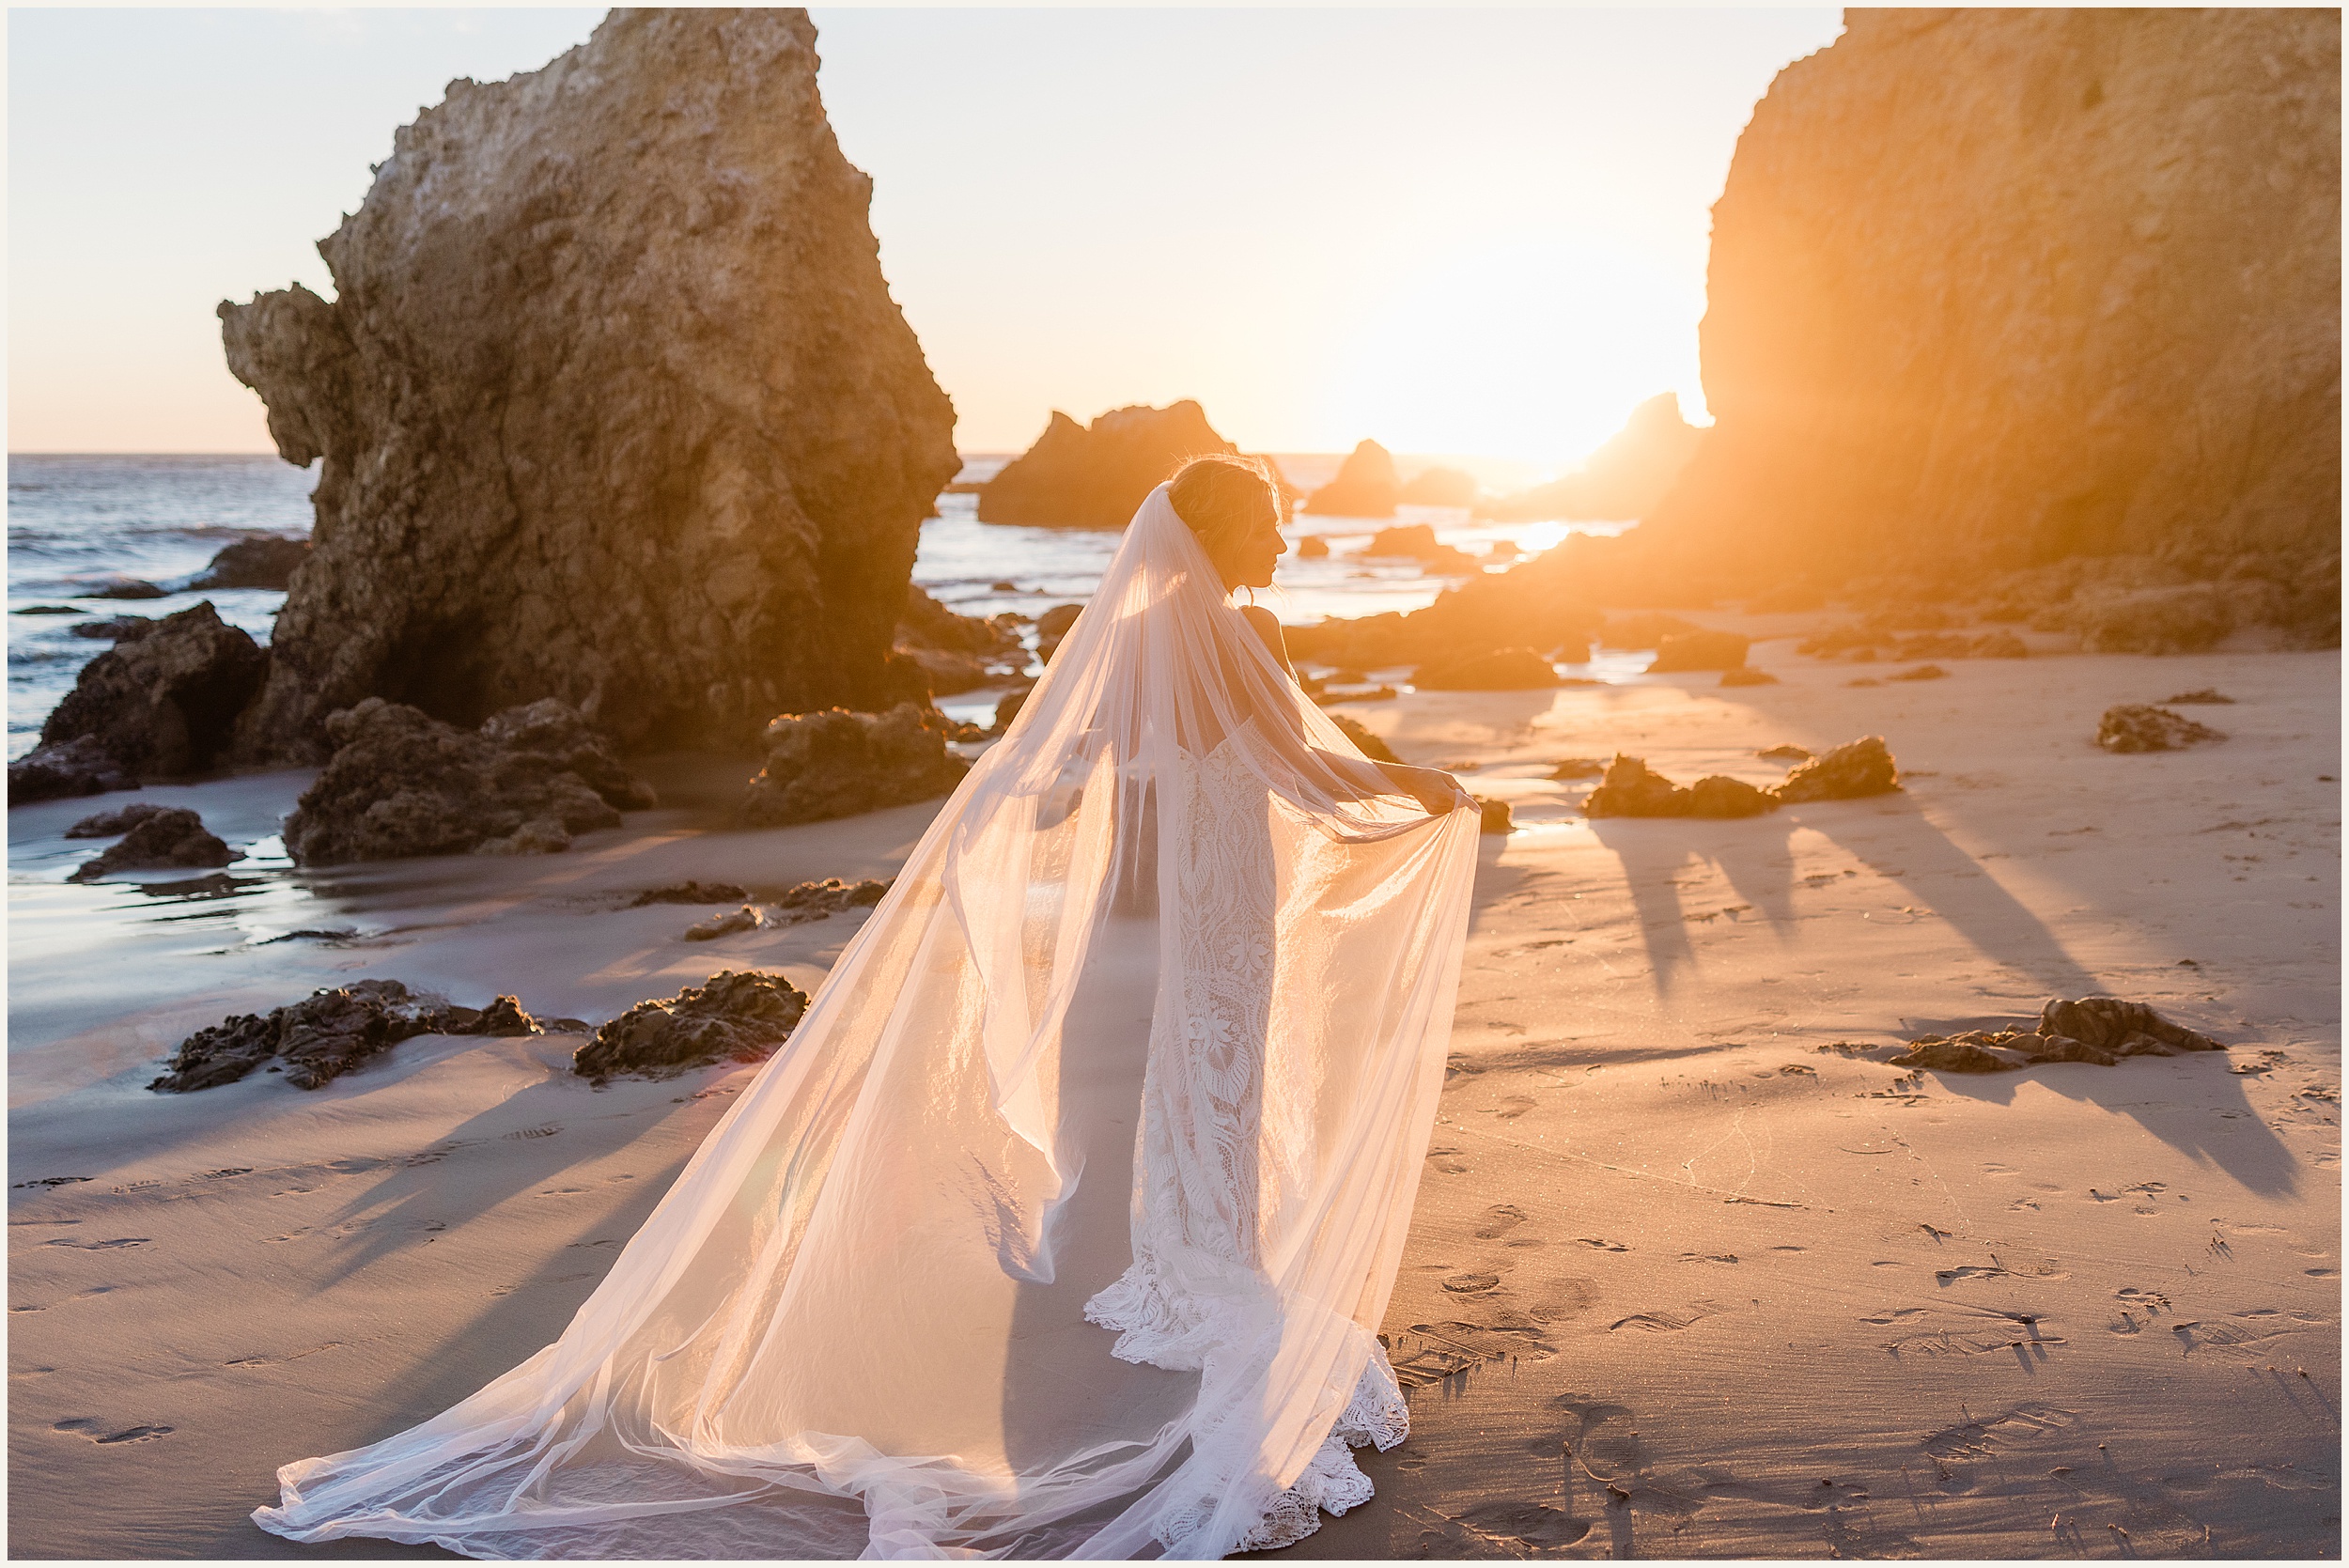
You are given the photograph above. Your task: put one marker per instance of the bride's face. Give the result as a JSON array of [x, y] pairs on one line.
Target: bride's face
[[1247, 561]]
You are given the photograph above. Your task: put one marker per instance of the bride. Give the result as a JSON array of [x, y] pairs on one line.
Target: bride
[[1063, 1224]]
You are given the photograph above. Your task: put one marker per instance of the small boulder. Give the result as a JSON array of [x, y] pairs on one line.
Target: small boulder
[[263, 561], [1418, 542], [402, 784], [2140, 727], [1720, 795], [691, 893], [1493, 817], [111, 824], [328, 1034], [1630, 788], [1501, 669], [1966, 1053], [2111, 1024], [809, 901], [1577, 768], [1312, 547], [726, 923], [1785, 753], [1699, 650], [739, 1017], [165, 703], [1365, 739], [1744, 676], [836, 763], [1854, 769], [1923, 672], [166, 836], [124, 587], [2201, 694]]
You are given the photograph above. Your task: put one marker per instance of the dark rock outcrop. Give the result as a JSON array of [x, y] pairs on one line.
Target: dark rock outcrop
[[159, 836], [2200, 694], [735, 1016], [328, 1034], [1095, 476], [837, 763], [401, 784], [126, 587], [1493, 817], [1577, 768], [1850, 771], [807, 901], [1720, 796], [1438, 487], [1625, 478], [111, 824], [2100, 1031], [1417, 541], [164, 704], [2141, 727], [954, 652], [691, 893], [1699, 650], [1365, 486], [614, 405], [1631, 788], [1504, 670], [60, 772], [726, 923], [264, 561], [1990, 289], [116, 629]]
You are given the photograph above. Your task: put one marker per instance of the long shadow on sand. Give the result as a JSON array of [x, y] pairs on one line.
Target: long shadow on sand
[[1751, 855]]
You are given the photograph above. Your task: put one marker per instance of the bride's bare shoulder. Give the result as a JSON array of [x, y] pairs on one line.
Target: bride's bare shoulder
[[1267, 626]]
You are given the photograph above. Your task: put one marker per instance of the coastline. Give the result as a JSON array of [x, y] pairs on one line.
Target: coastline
[[1789, 1302]]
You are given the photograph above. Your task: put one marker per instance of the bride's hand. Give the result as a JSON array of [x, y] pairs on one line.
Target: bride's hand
[[1437, 792]]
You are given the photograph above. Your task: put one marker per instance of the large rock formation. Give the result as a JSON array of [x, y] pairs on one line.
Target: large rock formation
[[1365, 486], [1995, 288], [615, 404], [1626, 477], [1094, 476]]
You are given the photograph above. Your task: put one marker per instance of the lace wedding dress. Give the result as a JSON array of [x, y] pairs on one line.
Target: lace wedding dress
[[1063, 1223]]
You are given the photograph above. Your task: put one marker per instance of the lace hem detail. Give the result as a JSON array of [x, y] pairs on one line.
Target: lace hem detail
[[1152, 1329]]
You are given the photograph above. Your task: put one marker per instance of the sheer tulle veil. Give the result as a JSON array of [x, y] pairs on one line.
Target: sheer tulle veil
[[1063, 1223]]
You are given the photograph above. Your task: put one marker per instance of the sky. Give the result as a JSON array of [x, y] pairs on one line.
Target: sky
[[1449, 230]]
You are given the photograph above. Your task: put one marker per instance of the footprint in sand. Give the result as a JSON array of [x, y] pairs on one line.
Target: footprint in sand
[[1512, 1106], [1531, 1524], [1448, 1162], [1499, 1221], [1472, 1284], [547, 1131], [95, 1430], [98, 1246], [1666, 1323], [1602, 1244]]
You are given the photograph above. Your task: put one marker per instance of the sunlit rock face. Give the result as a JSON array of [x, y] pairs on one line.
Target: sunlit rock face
[[1626, 477], [1095, 476], [615, 404], [2009, 286]]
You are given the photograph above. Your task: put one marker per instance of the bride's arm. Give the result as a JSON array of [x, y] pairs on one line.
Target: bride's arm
[[1436, 791]]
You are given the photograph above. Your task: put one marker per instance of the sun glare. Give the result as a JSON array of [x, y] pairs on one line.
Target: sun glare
[[1536, 349]]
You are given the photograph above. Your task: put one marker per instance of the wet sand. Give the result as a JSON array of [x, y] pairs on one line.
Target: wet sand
[[1681, 1283]]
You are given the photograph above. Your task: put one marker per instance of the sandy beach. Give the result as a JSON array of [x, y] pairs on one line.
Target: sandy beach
[[1685, 1280]]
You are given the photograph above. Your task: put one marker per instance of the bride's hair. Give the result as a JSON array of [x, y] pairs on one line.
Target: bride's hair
[[1218, 497]]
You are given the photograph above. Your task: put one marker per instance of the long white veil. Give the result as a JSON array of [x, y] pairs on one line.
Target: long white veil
[[1063, 1223]]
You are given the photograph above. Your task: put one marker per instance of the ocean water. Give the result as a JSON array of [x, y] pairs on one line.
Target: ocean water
[[76, 523]]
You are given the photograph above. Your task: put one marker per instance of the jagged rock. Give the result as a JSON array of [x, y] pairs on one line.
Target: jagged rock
[[726, 923], [808, 901], [2140, 727], [691, 893], [1095, 476], [1439, 487], [1417, 541], [1623, 478], [1699, 650], [63, 772], [264, 561], [1631, 788], [1577, 768], [1855, 769], [1720, 795], [1994, 287], [1923, 672], [1312, 547], [164, 704], [1365, 486], [125, 587], [116, 629], [330, 1032], [1785, 753], [836, 763], [1493, 817], [1743, 676], [1365, 739], [1051, 627], [735, 1016], [615, 404], [164, 835], [2099, 1031], [109, 823], [401, 784], [2200, 694], [1504, 670]]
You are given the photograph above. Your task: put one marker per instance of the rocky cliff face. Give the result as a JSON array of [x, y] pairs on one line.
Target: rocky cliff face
[[1094, 476], [2012, 287], [615, 404]]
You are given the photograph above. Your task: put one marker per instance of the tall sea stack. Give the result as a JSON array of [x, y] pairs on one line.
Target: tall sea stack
[[614, 401], [1995, 288]]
